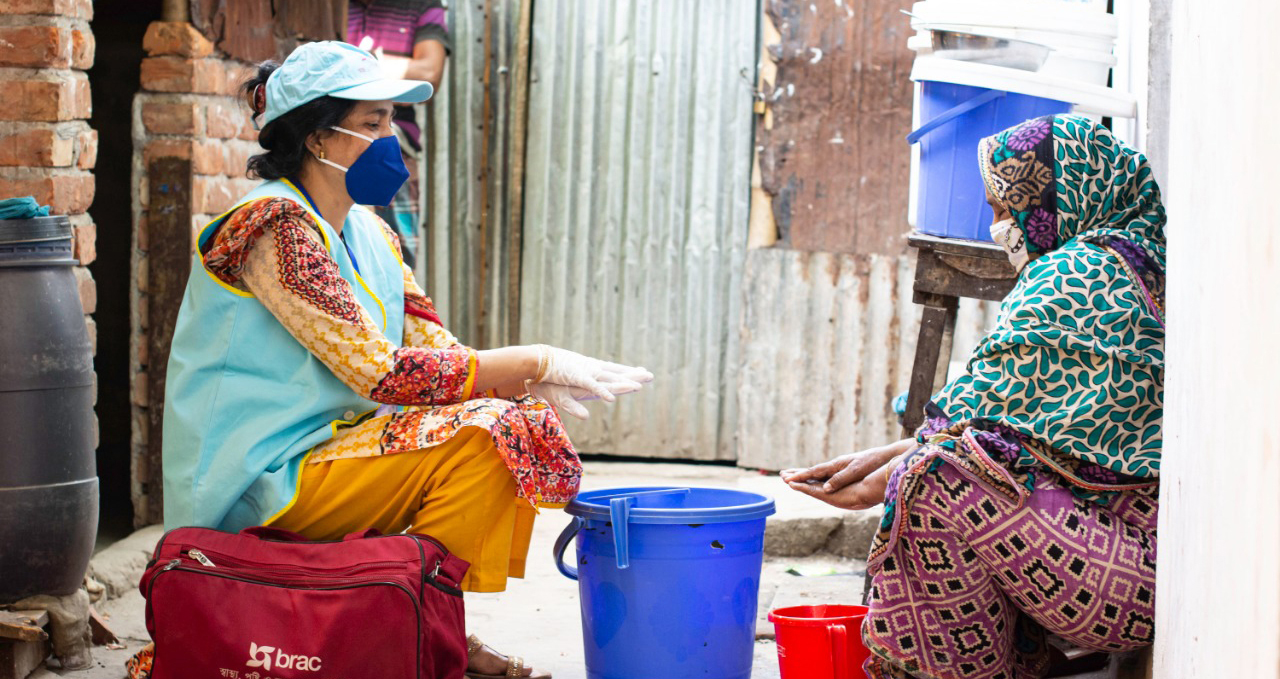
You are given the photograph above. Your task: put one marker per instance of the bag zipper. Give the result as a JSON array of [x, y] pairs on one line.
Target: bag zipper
[[176, 564], [416, 537], [230, 561], [290, 576], [431, 578], [199, 556]]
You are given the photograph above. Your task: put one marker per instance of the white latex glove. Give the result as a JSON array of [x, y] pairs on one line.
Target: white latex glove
[[563, 399], [603, 379]]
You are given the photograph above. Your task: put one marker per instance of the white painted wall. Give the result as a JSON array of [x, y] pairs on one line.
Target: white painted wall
[[1218, 602], [1155, 120], [1131, 71]]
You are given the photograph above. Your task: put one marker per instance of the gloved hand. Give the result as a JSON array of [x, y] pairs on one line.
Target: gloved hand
[[602, 379], [563, 399]]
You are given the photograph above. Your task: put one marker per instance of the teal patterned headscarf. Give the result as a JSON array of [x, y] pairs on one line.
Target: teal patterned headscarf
[[1075, 365], [1067, 176]]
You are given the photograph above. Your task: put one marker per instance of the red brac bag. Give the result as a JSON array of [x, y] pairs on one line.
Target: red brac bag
[[269, 603]]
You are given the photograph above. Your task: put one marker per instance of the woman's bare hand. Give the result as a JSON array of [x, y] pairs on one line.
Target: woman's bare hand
[[833, 475], [865, 493]]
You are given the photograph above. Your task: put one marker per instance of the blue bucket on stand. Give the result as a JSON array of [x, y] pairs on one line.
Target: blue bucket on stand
[[951, 200], [668, 579]]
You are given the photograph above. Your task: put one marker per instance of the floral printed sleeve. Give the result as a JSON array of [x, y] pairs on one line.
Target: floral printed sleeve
[[422, 325], [272, 249]]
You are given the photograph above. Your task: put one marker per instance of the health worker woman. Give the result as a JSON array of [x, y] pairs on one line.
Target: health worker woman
[[311, 384]]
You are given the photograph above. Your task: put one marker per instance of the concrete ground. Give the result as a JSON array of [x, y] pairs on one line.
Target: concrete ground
[[538, 617]]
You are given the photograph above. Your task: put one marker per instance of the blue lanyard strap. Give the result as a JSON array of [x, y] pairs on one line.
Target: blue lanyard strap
[[350, 254], [341, 234]]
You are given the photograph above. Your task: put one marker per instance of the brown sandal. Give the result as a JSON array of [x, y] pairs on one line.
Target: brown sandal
[[515, 664]]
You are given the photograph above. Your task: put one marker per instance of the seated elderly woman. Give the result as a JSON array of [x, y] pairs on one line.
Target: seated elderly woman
[[311, 384], [1026, 503]]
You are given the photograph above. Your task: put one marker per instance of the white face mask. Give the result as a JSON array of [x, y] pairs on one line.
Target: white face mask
[[1008, 235]]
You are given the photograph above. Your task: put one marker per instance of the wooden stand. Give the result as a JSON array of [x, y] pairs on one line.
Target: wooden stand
[[946, 270], [24, 644]]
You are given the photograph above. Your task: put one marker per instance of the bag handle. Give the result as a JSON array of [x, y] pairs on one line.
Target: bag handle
[[952, 113], [276, 534], [282, 535]]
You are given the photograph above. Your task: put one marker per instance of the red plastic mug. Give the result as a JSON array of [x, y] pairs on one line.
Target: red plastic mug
[[820, 642]]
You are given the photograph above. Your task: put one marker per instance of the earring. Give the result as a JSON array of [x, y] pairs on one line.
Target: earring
[[321, 154]]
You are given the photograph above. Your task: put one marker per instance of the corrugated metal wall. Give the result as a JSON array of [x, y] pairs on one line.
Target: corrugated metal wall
[[827, 343], [467, 174], [636, 207], [634, 237]]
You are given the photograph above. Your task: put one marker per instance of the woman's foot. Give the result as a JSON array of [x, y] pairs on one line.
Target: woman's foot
[[486, 662], [1080, 662]]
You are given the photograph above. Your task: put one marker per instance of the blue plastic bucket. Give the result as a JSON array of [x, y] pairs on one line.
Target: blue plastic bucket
[[668, 580], [951, 199]]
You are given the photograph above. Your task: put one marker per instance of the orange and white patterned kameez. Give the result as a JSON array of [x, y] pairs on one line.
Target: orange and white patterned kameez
[[272, 248]]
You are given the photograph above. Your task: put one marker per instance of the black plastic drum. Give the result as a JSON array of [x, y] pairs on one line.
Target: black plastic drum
[[48, 478]]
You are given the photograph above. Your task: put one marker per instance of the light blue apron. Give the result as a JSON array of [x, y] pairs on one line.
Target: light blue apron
[[245, 402]]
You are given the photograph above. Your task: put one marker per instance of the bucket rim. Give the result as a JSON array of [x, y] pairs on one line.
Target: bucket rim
[[779, 615], [759, 506], [35, 229]]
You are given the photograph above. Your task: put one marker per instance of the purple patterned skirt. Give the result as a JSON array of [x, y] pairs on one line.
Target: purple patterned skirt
[[973, 578]]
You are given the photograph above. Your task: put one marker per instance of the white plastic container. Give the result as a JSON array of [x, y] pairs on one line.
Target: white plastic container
[[1081, 40], [1085, 65], [1035, 15], [1097, 6]]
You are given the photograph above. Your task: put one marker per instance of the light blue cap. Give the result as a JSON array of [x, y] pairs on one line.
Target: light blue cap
[[338, 70]]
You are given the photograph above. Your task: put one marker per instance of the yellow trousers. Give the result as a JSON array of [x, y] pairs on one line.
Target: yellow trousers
[[459, 492]]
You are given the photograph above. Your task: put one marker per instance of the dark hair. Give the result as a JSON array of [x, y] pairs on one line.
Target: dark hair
[[285, 138]]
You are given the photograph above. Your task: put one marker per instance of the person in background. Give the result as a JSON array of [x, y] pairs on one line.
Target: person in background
[[411, 41], [1026, 504]]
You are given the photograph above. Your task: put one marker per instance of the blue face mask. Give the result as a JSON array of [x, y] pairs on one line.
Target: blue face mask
[[377, 174]]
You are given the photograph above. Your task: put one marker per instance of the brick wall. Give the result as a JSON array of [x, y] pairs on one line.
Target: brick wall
[[47, 148], [187, 111]]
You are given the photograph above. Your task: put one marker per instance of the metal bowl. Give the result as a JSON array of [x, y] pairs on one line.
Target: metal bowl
[[985, 49]]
